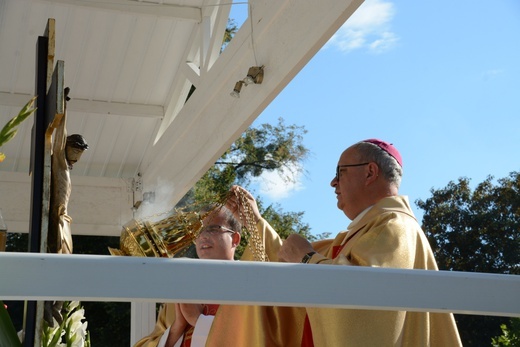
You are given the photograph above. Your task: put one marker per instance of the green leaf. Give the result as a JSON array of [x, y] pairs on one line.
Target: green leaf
[[57, 333], [9, 130], [8, 336]]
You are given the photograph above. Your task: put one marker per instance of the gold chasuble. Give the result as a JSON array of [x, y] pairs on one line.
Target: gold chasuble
[[388, 235]]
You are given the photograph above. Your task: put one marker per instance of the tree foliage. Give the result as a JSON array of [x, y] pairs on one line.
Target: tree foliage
[[510, 334], [259, 149], [478, 231]]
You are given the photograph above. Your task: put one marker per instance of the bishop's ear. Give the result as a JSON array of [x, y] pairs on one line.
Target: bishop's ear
[[372, 172]]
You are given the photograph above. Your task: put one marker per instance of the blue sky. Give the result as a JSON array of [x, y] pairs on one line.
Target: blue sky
[[438, 79]]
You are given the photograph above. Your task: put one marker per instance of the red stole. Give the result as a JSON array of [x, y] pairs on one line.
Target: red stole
[[209, 310]]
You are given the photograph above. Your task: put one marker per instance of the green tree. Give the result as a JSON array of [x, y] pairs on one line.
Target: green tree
[[510, 335], [478, 231], [264, 148], [286, 223]]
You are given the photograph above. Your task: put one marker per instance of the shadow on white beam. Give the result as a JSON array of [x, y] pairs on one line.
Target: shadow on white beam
[[31, 276]]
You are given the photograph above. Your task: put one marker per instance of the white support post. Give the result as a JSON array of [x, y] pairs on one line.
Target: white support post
[[142, 320]]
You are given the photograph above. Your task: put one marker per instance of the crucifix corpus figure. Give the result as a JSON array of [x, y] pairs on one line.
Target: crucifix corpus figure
[[66, 151]]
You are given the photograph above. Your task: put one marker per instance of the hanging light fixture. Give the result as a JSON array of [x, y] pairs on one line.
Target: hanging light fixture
[[236, 91], [255, 75]]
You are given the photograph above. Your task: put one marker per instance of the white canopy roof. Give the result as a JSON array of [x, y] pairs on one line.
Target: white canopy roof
[[130, 65]]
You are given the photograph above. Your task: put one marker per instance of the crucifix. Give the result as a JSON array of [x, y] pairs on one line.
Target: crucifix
[[51, 162]]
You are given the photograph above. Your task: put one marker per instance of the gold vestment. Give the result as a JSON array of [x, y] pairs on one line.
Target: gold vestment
[[388, 235]]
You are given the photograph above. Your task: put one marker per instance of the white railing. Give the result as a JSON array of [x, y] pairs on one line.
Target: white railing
[[31, 276]]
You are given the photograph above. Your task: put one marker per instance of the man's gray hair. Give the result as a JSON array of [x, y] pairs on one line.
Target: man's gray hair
[[390, 169]]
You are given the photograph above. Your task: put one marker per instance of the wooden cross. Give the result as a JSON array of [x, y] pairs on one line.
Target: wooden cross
[[51, 110]]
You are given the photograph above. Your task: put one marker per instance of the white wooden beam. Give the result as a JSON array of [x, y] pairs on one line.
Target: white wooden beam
[[218, 26], [192, 67], [192, 73], [139, 8], [283, 41], [110, 278]]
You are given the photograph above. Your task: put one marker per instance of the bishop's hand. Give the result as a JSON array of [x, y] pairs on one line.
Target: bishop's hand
[[294, 248]]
